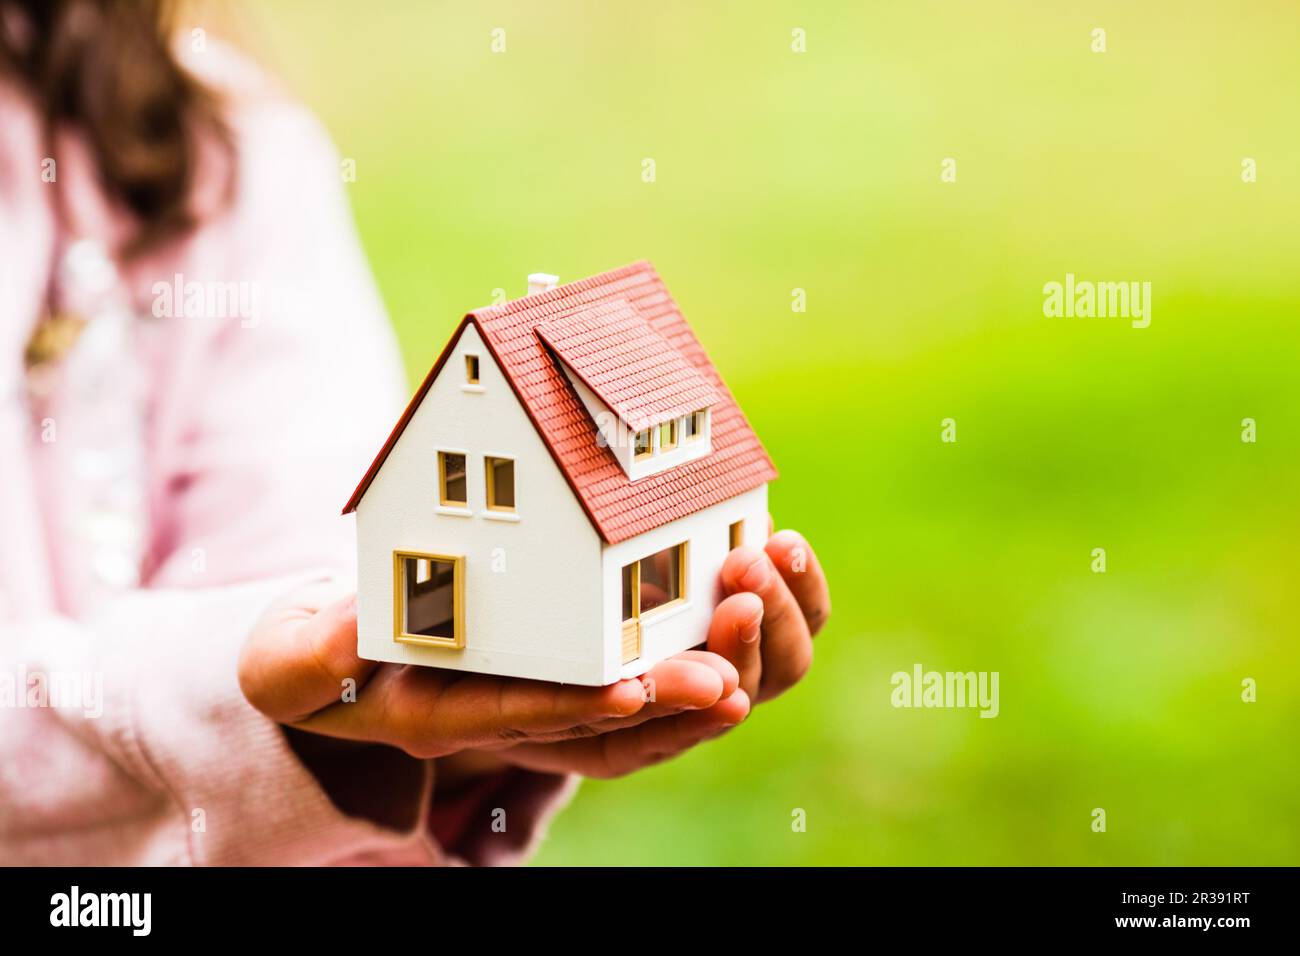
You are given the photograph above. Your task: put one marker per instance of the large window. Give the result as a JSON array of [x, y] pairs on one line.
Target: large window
[[654, 581], [452, 490], [500, 484], [428, 599]]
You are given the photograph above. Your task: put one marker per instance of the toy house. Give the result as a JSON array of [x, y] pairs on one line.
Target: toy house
[[557, 500]]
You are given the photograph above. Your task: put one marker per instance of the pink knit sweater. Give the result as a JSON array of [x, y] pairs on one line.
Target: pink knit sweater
[[125, 594]]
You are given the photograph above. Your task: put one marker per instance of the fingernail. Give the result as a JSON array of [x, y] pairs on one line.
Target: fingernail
[[756, 576], [626, 700], [749, 634]]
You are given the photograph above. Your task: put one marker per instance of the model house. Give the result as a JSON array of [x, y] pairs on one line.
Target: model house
[[558, 498]]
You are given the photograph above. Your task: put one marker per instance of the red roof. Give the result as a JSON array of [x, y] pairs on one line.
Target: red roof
[[630, 366], [618, 507]]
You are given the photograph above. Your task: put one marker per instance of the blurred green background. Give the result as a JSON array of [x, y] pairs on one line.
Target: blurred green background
[[820, 170]]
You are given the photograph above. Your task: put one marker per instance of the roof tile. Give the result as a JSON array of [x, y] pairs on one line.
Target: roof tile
[[631, 367]]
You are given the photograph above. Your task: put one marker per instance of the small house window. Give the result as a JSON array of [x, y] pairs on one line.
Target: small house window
[[662, 578], [452, 491], [668, 435], [736, 535], [471, 369], [643, 444], [631, 606], [500, 484], [693, 426], [429, 606]]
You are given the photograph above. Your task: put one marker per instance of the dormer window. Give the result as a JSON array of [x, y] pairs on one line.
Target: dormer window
[[643, 445], [693, 426], [471, 370], [668, 435], [649, 399]]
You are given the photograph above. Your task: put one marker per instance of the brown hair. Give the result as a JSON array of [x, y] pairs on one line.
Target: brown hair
[[106, 68]]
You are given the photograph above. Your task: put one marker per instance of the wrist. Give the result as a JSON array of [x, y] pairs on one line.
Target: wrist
[[347, 771], [457, 771]]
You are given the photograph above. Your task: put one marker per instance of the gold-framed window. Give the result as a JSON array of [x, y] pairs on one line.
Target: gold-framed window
[[429, 599], [500, 479], [453, 483]]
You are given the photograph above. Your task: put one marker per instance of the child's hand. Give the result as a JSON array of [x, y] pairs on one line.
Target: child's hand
[[780, 592], [299, 662]]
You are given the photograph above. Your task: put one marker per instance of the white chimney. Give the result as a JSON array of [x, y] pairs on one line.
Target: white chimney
[[541, 282]]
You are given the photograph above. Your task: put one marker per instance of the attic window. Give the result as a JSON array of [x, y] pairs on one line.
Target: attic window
[[668, 435], [693, 426], [500, 484], [643, 445], [452, 490], [471, 370]]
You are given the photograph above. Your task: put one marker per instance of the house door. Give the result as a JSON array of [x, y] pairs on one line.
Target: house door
[[631, 611]]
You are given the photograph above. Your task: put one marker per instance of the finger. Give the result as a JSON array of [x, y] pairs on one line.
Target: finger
[[724, 668], [625, 751], [691, 680], [622, 751], [431, 713], [734, 634], [728, 712], [794, 558], [786, 644], [296, 660]]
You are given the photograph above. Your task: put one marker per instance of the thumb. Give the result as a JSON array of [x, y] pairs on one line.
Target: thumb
[[301, 652]]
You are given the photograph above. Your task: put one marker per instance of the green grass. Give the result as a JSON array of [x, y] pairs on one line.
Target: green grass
[[820, 171]]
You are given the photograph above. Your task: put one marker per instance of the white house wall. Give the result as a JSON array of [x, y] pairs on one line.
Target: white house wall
[[532, 594], [672, 629]]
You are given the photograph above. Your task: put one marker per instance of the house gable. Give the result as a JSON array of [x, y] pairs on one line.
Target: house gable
[[529, 606]]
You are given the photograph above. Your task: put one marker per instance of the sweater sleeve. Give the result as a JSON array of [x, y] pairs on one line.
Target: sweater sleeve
[[261, 425], [143, 710], [133, 745]]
